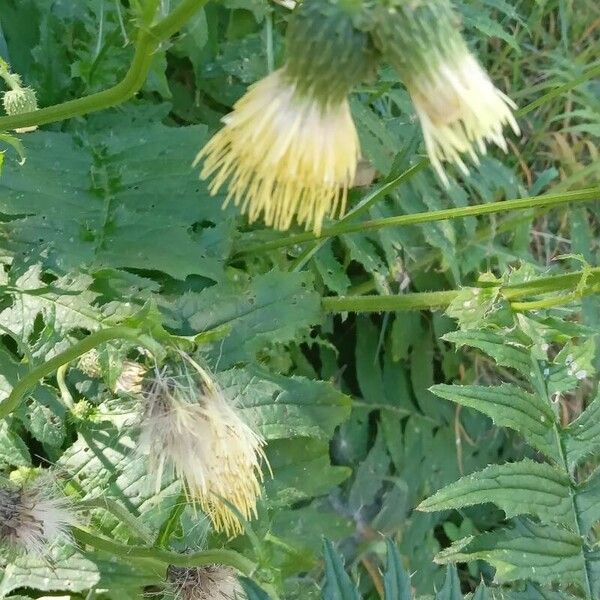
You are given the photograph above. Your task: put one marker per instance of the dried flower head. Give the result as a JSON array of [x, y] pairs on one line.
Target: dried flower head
[[33, 516], [213, 582], [190, 427], [131, 378], [289, 149], [459, 108]]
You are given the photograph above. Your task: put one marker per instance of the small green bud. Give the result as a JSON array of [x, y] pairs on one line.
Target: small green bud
[[19, 101]]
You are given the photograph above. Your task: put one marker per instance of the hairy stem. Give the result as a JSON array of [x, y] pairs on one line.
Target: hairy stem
[[547, 200], [196, 559], [29, 381], [437, 300]]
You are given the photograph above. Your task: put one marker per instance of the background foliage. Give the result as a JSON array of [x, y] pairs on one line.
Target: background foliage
[[106, 218]]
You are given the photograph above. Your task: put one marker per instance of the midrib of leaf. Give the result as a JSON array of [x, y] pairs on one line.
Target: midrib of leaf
[[540, 387]]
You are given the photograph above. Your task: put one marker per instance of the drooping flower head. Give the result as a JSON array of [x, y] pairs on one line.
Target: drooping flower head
[[33, 516], [191, 428], [459, 108], [213, 582], [289, 149]]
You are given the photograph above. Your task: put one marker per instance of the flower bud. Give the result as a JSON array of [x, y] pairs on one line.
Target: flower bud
[[18, 101]]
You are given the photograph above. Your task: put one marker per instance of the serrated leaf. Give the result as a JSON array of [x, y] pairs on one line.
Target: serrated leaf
[[290, 461], [471, 306], [338, 585], [126, 201], [587, 503], [70, 570], [582, 436], [64, 305], [451, 587], [270, 309], [495, 345], [572, 364], [508, 406], [283, 407], [522, 488], [396, 581], [44, 417], [13, 450], [529, 551]]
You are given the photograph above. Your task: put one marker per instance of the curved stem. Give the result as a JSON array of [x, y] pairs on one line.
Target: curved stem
[[147, 43], [29, 381], [547, 200], [196, 559]]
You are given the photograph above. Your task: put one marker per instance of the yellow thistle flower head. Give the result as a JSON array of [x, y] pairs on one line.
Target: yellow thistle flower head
[[190, 428], [33, 516], [20, 100], [459, 108], [289, 149], [213, 582]]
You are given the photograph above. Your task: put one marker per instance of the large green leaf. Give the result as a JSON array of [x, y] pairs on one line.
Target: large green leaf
[[529, 551], [270, 309], [284, 407], [291, 460], [509, 406], [70, 570], [129, 200], [525, 487], [587, 503]]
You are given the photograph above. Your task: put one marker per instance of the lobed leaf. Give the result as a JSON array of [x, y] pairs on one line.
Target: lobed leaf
[[521, 488], [529, 551], [503, 351], [508, 406]]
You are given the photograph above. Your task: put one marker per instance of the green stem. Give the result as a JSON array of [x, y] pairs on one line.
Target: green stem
[[547, 200], [121, 513], [146, 45], [32, 378], [437, 300], [364, 205], [196, 559], [561, 89]]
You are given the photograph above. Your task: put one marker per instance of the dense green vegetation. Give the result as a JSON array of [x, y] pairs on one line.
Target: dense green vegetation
[[423, 372]]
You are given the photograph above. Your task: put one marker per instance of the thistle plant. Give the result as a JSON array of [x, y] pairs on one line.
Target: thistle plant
[[213, 582], [19, 99], [289, 150], [188, 426], [459, 107], [33, 516]]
